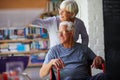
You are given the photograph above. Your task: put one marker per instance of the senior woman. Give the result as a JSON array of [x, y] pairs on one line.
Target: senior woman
[[67, 12]]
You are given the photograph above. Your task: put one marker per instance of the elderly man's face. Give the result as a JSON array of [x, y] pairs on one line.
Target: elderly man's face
[[64, 34]]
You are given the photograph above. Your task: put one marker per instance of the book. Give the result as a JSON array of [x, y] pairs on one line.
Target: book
[[1, 34]]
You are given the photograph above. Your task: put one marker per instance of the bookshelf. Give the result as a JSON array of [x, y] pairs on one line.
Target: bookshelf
[[25, 53], [25, 42]]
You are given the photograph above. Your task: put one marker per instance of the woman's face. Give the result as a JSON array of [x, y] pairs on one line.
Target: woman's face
[[65, 15]]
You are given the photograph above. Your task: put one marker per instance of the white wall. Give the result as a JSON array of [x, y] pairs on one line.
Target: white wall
[[83, 13], [18, 17], [91, 12]]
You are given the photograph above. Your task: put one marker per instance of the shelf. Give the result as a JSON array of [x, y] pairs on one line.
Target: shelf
[[27, 52], [34, 64], [18, 44], [23, 40]]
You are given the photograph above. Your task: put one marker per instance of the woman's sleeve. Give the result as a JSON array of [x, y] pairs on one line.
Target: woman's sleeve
[[84, 35], [43, 23]]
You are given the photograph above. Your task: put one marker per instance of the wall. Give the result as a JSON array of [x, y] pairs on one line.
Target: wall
[[95, 18], [19, 13], [91, 12], [18, 4], [18, 17]]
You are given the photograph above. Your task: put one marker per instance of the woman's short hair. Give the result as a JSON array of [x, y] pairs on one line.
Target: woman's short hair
[[71, 6], [69, 24]]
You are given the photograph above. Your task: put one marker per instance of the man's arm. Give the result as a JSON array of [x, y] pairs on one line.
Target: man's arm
[[97, 61], [45, 69]]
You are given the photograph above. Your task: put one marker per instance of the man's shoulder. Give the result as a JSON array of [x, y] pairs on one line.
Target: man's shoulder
[[56, 46], [81, 46]]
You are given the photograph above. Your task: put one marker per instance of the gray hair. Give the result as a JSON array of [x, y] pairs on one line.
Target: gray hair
[[71, 6], [69, 24]]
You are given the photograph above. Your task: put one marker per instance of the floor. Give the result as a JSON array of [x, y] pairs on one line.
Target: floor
[[33, 73]]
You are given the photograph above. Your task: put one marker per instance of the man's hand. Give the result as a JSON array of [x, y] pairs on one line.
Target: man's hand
[[58, 63], [97, 62]]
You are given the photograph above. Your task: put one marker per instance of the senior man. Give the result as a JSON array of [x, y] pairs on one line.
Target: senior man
[[71, 57]]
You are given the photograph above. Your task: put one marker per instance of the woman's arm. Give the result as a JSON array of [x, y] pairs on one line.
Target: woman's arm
[[43, 23], [84, 35]]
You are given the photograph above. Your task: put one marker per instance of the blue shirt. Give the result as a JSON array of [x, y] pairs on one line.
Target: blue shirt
[[75, 59], [52, 24]]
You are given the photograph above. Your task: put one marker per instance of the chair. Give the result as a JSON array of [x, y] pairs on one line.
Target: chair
[[6, 59], [53, 77], [52, 74], [13, 59]]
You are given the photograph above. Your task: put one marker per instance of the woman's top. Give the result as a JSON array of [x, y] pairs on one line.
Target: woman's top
[[52, 24]]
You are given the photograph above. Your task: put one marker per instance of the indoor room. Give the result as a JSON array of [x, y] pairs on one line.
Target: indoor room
[[30, 30]]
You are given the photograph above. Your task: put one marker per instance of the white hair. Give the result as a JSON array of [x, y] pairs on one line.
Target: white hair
[[71, 6], [69, 24]]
